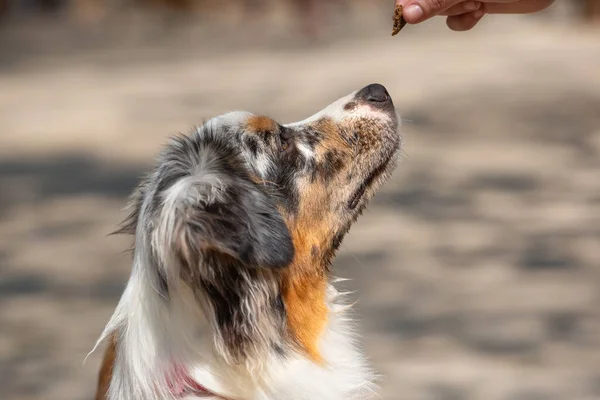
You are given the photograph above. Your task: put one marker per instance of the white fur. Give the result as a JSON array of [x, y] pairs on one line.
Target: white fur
[[232, 118], [336, 112], [262, 164], [305, 151], [345, 375]]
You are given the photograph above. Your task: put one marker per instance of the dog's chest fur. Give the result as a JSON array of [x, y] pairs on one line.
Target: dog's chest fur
[[344, 373]]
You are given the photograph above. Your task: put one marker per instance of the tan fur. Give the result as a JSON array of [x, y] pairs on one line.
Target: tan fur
[[261, 124], [331, 132], [106, 369], [305, 283], [304, 289], [304, 296]]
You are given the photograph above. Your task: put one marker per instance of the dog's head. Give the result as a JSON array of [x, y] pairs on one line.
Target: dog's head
[[247, 187]]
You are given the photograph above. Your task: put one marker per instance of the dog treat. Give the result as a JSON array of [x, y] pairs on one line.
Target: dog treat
[[399, 21]]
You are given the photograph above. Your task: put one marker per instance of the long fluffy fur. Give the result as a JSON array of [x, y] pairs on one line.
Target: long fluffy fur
[[210, 251]]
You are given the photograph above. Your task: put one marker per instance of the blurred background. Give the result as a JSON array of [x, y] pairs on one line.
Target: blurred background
[[477, 267]]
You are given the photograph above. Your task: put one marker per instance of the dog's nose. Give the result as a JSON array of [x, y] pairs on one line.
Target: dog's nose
[[374, 94]]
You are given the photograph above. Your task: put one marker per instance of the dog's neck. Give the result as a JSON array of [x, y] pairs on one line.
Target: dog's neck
[[341, 372], [154, 335]]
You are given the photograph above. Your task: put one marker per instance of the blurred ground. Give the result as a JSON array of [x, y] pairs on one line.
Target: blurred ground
[[477, 268]]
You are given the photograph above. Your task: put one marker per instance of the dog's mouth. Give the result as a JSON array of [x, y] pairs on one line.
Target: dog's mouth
[[367, 183]]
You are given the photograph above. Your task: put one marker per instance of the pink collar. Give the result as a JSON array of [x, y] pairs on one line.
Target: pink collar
[[182, 384]]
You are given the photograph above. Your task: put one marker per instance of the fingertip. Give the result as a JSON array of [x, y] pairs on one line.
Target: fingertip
[[413, 13]]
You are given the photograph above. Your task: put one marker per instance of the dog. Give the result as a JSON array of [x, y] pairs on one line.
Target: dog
[[231, 293]]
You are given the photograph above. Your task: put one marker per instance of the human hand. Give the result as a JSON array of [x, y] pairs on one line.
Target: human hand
[[463, 15]]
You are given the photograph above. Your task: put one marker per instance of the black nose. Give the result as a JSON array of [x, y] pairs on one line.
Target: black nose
[[374, 93]]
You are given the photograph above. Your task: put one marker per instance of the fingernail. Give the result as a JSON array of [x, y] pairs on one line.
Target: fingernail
[[413, 13], [478, 14], [472, 6]]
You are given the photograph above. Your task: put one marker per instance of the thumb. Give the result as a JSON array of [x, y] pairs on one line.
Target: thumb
[[415, 11]]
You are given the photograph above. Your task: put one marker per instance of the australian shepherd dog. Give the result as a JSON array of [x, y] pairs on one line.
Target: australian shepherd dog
[[231, 293]]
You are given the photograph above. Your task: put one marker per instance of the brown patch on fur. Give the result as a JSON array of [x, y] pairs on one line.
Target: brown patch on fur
[[261, 124], [350, 106], [106, 369], [304, 284], [333, 136], [370, 137], [304, 296]]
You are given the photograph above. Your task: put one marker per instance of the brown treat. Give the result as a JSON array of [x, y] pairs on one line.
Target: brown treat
[[399, 21]]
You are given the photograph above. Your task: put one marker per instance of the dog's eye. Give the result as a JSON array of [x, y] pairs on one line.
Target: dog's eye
[[285, 139]]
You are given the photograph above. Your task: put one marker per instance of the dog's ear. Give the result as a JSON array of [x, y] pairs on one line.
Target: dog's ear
[[243, 223], [227, 215]]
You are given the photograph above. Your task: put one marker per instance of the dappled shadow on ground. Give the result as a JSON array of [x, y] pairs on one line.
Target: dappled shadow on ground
[[66, 175]]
